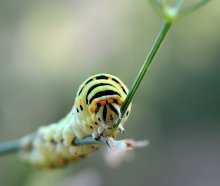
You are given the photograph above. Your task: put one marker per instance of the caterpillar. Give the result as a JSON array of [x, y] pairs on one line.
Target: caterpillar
[[96, 110]]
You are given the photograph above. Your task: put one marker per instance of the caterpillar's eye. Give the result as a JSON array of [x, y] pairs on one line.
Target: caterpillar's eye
[[111, 117]]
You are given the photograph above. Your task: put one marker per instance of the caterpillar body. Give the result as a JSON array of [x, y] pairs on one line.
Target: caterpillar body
[[96, 109]]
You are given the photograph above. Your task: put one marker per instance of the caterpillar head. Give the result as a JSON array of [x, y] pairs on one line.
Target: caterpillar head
[[103, 96], [107, 110]]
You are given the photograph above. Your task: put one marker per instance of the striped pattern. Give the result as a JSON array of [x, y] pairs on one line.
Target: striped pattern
[[96, 109]]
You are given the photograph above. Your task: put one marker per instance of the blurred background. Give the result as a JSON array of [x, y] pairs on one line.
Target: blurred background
[[47, 48]]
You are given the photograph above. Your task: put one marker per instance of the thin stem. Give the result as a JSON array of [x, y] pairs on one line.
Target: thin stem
[[163, 31], [192, 8], [179, 4], [86, 141], [15, 145], [158, 7], [10, 147]]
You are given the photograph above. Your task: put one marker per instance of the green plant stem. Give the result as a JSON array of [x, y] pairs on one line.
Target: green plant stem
[[191, 9], [10, 147], [160, 37], [15, 145], [86, 141]]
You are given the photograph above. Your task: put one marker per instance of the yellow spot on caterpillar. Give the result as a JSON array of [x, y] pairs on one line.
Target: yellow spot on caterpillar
[[119, 85], [91, 110], [110, 78], [119, 101], [94, 103], [80, 100], [94, 78]]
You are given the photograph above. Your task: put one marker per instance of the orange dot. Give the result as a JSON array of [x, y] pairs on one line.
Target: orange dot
[[94, 78], [61, 161], [119, 101], [91, 110], [81, 101], [110, 100], [110, 78], [117, 97], [102, 102]]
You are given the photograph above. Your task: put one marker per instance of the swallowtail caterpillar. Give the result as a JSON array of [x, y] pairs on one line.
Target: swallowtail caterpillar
[[96, 109]]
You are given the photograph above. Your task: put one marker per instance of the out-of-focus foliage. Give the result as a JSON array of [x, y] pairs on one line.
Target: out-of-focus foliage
[[47, 48]]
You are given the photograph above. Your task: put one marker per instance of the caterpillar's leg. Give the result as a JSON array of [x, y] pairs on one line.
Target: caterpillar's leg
[[68, 135], [95, 135], [105, 140], [121, 129], [100, 130], [98, 133]]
